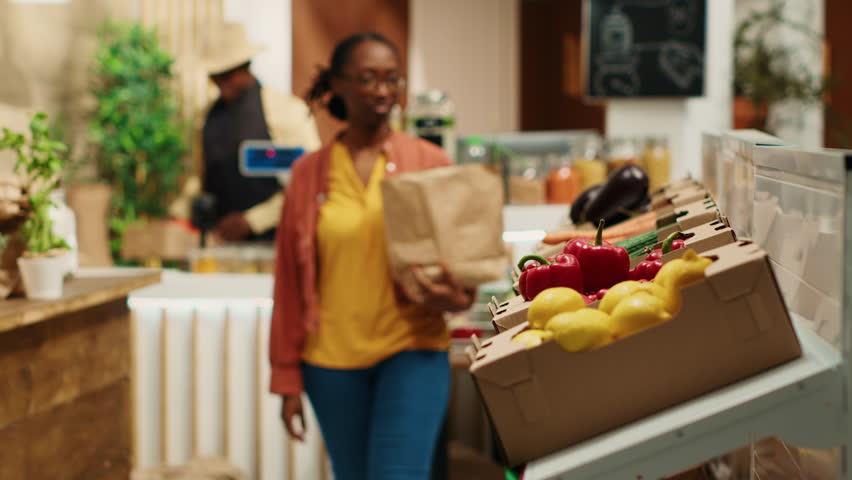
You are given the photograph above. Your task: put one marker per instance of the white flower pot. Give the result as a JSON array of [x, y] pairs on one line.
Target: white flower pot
[[43, 276]]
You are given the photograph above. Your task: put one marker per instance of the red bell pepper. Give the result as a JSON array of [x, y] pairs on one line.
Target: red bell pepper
[[603, 264], [522, 280], [673, 241], [563, 271], [648, 268]]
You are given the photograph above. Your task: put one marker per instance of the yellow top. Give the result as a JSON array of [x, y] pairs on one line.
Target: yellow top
[[361, 323]]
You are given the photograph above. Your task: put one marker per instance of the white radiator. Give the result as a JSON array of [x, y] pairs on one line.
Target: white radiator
[[201, 379]]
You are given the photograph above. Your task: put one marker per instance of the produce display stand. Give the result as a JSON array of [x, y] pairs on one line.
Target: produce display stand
[[803, 402]]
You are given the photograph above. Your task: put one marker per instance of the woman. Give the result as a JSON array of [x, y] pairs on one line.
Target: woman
[[373, 364]]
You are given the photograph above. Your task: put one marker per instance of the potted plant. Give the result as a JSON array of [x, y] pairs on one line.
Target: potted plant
[[40, 162], [764, 71], [139, 140]]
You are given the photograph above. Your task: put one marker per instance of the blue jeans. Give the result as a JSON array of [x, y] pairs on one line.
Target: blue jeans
[[382, 422]]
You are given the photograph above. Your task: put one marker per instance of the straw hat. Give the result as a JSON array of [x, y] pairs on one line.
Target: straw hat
[[226, 48]]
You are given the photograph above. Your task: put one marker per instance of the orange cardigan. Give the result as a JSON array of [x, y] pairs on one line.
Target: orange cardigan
[[295, 308]]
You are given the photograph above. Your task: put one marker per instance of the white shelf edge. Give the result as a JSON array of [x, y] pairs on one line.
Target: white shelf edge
[[800, 401]]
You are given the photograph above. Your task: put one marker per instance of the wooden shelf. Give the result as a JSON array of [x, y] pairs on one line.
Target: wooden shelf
[[84, 290]]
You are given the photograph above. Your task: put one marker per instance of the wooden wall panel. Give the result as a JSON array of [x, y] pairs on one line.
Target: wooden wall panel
[[838, 108], [65, 408], [54, 362], [318, 25], [551, 68], [88, 438]]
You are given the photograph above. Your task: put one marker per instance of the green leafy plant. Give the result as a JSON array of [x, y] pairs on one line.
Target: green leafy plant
[[136, 126], [764, 67], [40, 161]]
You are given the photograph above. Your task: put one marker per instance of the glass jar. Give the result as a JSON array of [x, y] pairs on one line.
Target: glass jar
[[202, 260], [266, 259], [620, 152], [588, 164], [563, 181], [526, 185], [656, 161], [65, 227], [432, 117], [248, 259]]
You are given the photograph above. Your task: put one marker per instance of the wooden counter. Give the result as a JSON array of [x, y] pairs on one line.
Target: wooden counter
[[65, 392]]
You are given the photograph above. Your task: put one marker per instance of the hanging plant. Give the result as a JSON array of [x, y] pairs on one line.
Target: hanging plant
[[136, 127]]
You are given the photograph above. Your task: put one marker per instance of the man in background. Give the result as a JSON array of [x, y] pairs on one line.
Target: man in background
[[246, 208]]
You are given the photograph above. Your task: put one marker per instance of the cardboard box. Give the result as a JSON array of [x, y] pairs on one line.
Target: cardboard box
[[510, 314], [684, 183], [688, 216], [665, 204], [701, 239], [732, 325]]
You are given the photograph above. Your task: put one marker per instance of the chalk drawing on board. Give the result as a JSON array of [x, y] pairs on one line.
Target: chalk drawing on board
[[617, 38], [618, 60], [683, 63], [616, 80], [682, 17]]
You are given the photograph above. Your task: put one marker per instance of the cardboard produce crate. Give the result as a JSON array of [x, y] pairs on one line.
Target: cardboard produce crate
[[682, 184], [701, 239], [665, 204], [733, 324], [689, 216]]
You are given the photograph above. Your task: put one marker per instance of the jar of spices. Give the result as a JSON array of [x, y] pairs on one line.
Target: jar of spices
[[656, 161], [589, 165]]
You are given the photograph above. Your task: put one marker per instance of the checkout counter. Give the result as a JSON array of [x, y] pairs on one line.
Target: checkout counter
[[66, 402]]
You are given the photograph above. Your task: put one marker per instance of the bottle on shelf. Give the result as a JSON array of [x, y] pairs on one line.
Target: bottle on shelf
[[621, 151], [563, 181], [588, 164], [432, 117], [656, 161]]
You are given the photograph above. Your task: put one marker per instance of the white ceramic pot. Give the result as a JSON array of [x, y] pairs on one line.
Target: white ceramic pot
[[43, 276]]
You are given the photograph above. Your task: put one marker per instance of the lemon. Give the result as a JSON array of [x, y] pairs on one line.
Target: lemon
[[679, 273], [638, 312], [617, 293], [551, 302], [532, 338], [620, 291], [582, 330], [669, 296]]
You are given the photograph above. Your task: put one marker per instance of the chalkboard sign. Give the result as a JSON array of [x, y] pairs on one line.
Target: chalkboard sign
[[644, 48]]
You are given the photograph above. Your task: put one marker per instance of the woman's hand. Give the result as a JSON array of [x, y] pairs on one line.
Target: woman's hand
[[291, 408], [446, 295]]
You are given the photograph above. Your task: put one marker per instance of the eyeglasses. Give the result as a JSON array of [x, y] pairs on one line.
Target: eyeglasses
[[372, 82]]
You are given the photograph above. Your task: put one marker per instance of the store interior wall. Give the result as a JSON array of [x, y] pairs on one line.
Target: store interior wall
[[269, 24], [469, 49], [42, 50]]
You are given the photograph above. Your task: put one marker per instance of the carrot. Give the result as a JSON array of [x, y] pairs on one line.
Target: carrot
[[616, 233]]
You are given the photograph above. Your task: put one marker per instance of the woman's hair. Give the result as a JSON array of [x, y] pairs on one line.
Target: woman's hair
[[339, 58]]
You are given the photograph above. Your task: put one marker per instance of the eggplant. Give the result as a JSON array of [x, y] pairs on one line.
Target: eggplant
[[579, 205], [625, 189]]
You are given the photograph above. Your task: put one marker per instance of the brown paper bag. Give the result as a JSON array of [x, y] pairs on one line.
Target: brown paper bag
[[451, 215]]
